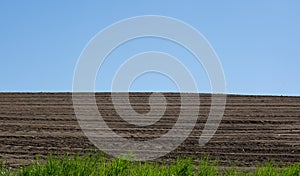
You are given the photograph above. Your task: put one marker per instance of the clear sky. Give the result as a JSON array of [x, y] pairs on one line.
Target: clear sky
[[257, 43]]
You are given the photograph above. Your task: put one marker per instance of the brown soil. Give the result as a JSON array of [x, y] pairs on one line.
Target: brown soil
[[254, 129]]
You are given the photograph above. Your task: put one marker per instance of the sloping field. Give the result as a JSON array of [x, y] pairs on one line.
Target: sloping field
[[254, 129]]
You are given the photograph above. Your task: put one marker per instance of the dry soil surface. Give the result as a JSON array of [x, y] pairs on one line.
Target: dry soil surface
[[254, 129]]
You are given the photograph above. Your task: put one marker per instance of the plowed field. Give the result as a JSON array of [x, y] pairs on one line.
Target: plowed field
[[254, 129]]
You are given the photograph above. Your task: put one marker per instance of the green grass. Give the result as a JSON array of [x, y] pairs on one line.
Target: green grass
[[97, 164]]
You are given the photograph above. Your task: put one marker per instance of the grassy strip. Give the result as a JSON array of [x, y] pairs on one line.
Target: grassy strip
[[97, 164]]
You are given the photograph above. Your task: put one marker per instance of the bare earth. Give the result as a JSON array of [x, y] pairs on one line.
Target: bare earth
[[254, 129]]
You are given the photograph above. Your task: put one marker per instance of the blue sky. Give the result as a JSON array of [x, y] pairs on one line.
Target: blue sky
[[257, 43]]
